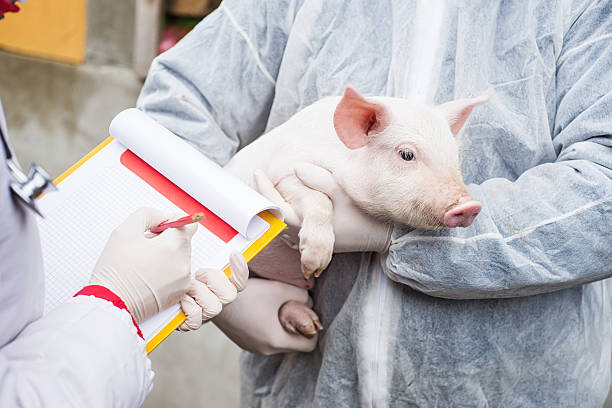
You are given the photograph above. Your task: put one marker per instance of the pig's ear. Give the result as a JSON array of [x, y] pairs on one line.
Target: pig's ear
[[356, 119], [457, 112]]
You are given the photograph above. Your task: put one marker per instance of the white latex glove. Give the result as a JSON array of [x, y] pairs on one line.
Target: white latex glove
[[148, 272], [354, 230], [252, 320], [211, 291]]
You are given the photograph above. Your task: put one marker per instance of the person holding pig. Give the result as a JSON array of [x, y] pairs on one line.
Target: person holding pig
[[513, 310]]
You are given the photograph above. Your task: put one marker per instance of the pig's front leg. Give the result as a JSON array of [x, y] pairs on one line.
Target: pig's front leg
[[317, 231]]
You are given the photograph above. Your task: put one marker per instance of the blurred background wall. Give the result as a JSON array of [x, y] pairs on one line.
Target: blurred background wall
[[60, 91], [67, 68]]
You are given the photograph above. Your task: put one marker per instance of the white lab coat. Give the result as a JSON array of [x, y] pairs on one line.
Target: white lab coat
[[85, 353]]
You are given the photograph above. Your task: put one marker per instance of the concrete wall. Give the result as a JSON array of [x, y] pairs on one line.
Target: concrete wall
[[56, 113], [110, 29]]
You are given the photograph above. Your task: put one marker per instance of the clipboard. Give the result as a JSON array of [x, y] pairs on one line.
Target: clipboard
[[137, 166]]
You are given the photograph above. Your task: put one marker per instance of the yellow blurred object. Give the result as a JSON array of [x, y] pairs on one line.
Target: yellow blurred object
[[47, 28]]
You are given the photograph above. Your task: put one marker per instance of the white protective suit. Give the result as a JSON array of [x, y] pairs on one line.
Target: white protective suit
[[85, 353], [511, 312]]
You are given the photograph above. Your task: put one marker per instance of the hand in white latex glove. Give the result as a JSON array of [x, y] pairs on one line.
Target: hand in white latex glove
[[211, 291], [354, 230], [252, 321], [148, 272]]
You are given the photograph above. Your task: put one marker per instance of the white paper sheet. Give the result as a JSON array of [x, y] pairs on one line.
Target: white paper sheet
[[163, 151]]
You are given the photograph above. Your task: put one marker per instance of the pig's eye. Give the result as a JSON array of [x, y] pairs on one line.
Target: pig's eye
[[408, 156]]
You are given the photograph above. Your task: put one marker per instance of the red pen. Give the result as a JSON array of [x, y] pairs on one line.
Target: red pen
[[181, 222]]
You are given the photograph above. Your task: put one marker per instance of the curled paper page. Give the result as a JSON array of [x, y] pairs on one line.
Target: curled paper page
[[207, 182]]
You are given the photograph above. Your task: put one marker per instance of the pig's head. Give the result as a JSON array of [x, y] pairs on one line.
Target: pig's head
[[404, 159]]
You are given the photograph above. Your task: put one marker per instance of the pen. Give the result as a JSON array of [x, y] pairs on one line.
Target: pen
[[181, 222]]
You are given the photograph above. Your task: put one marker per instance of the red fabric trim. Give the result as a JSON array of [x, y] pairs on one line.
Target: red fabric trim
[[102, 292], [6, 7]]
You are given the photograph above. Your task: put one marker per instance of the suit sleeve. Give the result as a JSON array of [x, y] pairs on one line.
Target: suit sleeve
[[85, 353], [550, 228], [215, 87]]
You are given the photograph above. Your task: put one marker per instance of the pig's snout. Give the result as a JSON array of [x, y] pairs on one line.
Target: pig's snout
[[462, 214]]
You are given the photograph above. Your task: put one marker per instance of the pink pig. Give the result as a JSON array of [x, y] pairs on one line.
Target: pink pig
[[397, 160]]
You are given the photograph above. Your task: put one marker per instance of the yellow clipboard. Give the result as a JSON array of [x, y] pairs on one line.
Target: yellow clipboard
[[276, 226]]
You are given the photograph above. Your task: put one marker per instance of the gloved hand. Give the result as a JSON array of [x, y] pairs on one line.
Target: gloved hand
[[354, 230], [211, 290], [147, 273], [252, 321]]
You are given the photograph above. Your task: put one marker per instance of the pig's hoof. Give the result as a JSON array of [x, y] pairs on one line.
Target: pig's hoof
[[314, 262], [315, 254], [297, 318]]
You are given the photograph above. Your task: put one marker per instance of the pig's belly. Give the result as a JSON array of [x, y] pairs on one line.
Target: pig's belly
[[279, 262]]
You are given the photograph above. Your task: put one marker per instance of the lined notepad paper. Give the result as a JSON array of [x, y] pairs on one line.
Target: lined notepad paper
[[114, 182]]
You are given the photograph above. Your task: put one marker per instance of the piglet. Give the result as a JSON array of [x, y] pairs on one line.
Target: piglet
[[397, 160]]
